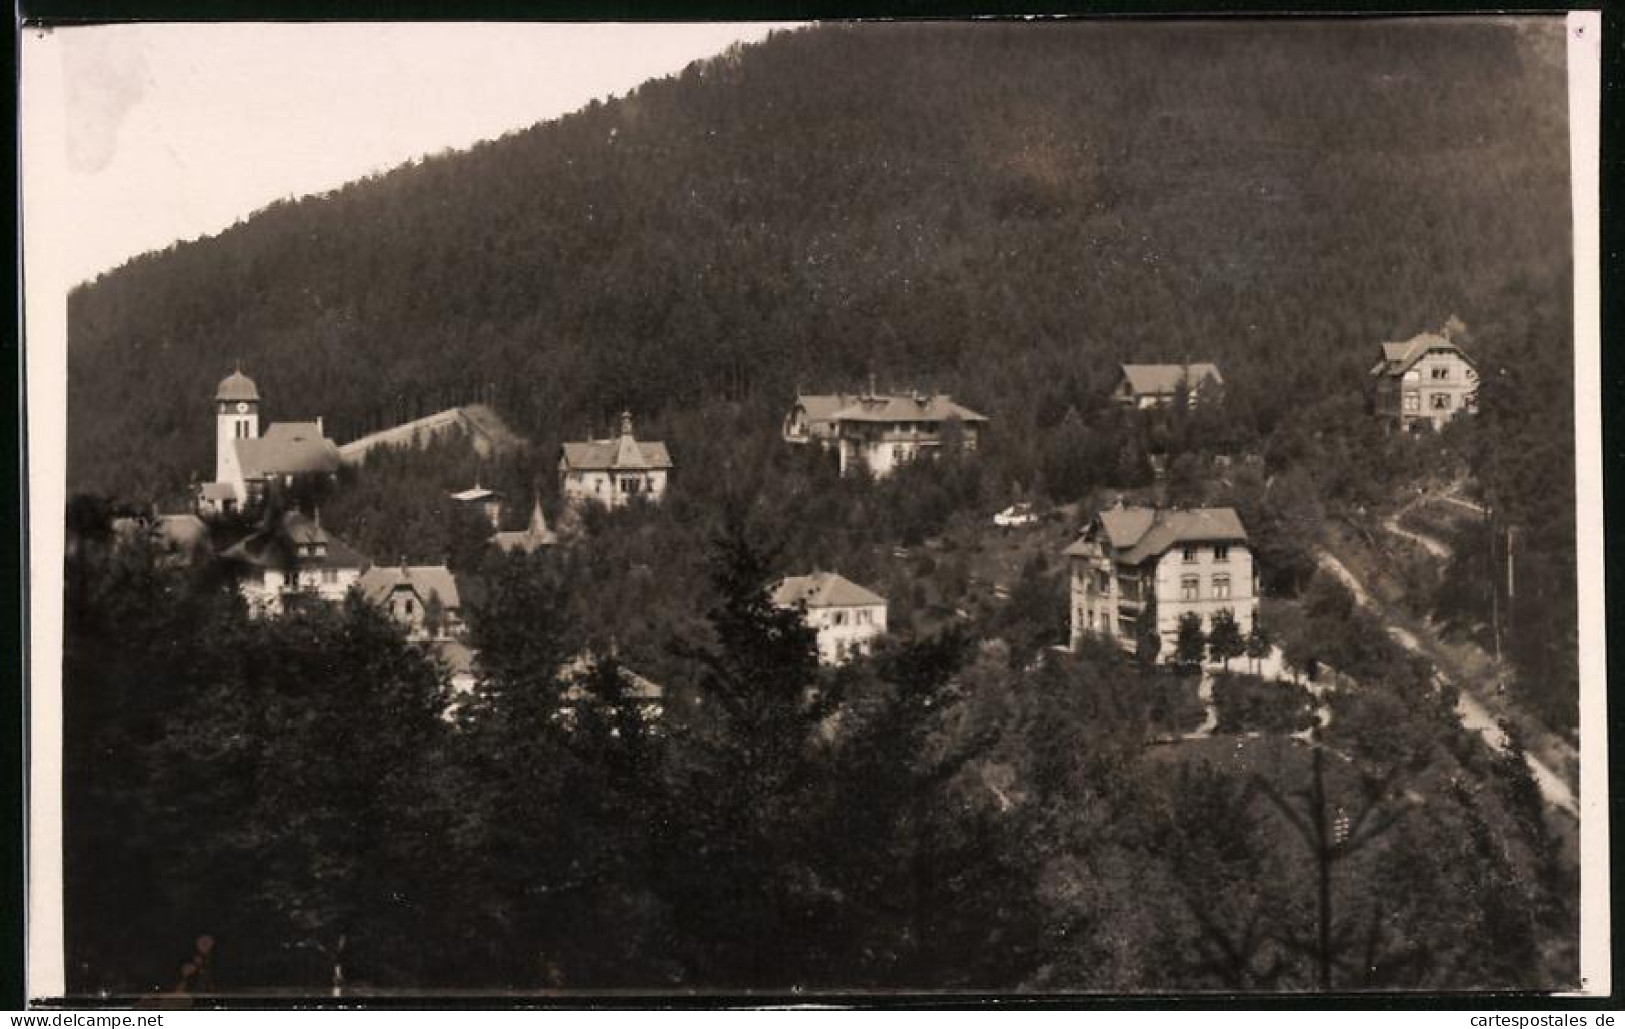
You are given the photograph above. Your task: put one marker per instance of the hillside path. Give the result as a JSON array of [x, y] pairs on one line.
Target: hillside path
[[1474, 716]]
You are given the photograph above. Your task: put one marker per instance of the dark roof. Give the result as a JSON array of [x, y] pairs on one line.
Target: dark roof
[[823, 589], [1159, 379], [1138, 533], [905, 407], [380, 581], [237, 386], [287, 448], [279, 547], [1397, 358]]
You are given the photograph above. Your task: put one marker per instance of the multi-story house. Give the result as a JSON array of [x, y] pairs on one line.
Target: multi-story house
[[881, 431], [422, 598], [293, 562], [1134, 564], [1144, 386], [1427, 378], [614, 472], [846, 617]]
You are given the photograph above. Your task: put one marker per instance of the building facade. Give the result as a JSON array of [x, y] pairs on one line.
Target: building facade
[[247, 463], [1427, 379], [1138, 565], [423, 599], [295, 562], [614, 472], [880, 432], [1143, 386], [846, 617]]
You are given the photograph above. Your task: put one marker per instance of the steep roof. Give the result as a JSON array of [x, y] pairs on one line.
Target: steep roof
[[1166, 378], [529, 539], [278, 547], [1397, 358], [623, 454], [1138, 533], [287, 448], [823, 589], [905, 407], [237, 386], [380, 581]]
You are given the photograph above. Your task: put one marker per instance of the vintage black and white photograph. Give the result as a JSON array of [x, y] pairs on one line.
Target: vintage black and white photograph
[[1081, 506]]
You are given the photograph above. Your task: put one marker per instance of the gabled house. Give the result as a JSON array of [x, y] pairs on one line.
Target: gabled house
[[246, 462], [1134, 563], [1142, 386], [1428, 378], [881, 431], [425, 599], [847, 617], [614, 472], [291, 562], [811, 417], [531, 538]]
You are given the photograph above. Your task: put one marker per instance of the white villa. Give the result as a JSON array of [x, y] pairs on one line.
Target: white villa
[[613, 472], [294, 562], [1168, 561], [847, 617], [880, 431]]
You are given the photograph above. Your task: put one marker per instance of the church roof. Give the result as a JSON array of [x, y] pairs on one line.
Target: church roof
[[823, 589], [287, 448], [237, 386]]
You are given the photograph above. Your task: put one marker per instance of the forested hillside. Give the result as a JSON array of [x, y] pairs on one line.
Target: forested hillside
[[1000, 210]]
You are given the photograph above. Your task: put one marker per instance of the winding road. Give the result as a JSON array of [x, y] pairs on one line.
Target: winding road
[[1474, 716]]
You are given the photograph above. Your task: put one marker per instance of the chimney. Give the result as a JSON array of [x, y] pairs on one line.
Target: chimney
[[872, 390], [319, 430], [626, 424], [404, 573]]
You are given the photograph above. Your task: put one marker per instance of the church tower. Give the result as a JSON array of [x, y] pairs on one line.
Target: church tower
[[237, 416]]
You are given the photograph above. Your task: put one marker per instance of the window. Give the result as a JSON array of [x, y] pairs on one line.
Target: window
[[330, 576], [1190, 555], [1221, 552], [1441, 401], [897, 453], [1413, 401], [410, 607], [840, 618], [1215, 616], [1188, 588], [1221, 587], [1441, 372]]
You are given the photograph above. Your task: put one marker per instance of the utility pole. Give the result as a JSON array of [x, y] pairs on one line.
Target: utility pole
[[1495, 593]]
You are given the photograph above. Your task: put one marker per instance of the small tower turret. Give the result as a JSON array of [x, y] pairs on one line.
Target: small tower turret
[[237, 416]]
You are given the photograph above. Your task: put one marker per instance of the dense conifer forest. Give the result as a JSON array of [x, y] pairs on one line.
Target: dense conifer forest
[[1000, 211]]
